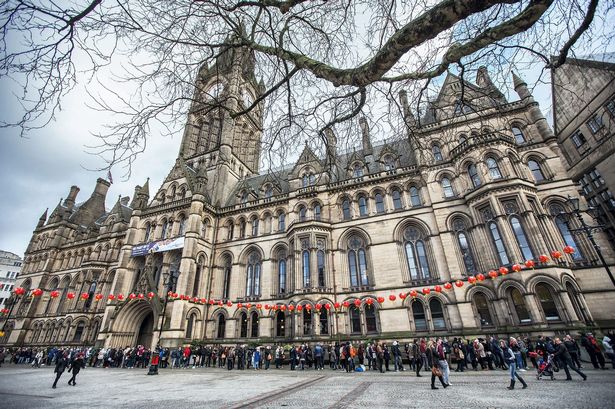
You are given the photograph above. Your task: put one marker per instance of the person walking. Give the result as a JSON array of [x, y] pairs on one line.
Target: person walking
[[416, 351], [562, 354], [442, 362], [432, 360], [511, 360], [75, 367], [61, 365], [573, 350]]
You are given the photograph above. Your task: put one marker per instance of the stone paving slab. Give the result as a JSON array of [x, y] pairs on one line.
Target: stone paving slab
[[25, 387]]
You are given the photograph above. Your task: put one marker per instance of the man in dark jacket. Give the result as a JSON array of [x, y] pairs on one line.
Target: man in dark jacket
[[561, 352], [75, 367], [61, 364]]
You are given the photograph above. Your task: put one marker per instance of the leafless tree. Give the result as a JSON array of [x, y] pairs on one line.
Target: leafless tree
[[322, 63]]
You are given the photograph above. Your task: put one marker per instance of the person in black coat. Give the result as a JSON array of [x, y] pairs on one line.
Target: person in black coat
[[432, 359], [61, 365], [562, 353], [75, 367]]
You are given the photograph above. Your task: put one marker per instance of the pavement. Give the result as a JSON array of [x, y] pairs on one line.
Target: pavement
[[24, 387]]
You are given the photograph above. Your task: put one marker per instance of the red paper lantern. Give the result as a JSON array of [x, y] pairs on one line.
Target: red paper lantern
[[556, 254], [480, 277], [111, 297], [19, 291], [336, 305], [346, 304], [569, 250], [318, 306], [503, 271], [150, 295], [266, 306], [426, 291], [308, 307], [459, 283], [380, 300], [392, 297], [120, 297], [85, 296], [402, 296], [357, 302], [98, 297], [259, 306], [194, 299], [54, 294], [283, 307], [493, 274], [530, 264], [369, 301], [37, 293], [448, 286], [175, 295], [472, 280], [141, 296], [220, 303], [170, 294], [543, 258], [248, 305], [132, 296], [291, 308], [211, 302], [70, 296], [239, 305], [327, 306], [516, 268], [438, 288], [229, 304], [299, 308], [413, 293]]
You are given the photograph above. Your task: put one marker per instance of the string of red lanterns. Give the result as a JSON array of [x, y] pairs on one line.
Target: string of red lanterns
[[368, 300]]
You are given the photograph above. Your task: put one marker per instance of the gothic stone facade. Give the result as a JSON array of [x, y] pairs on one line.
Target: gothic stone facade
[[479, 183]]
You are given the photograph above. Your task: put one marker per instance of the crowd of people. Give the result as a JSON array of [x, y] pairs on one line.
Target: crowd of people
[[437, 356]]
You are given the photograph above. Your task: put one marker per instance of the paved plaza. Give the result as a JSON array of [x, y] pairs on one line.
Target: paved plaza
[[24, 387]]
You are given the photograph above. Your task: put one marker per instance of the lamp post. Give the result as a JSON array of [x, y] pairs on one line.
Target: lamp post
[[589, 232], [169, 281]]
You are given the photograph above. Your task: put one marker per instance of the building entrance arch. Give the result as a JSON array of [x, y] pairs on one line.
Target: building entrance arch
[[134, 325]]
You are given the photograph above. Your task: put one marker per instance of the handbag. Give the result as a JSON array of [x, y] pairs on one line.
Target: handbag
[[436, 371]]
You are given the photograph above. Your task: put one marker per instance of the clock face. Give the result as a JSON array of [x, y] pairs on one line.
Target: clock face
[[247, 98], [215, 91]]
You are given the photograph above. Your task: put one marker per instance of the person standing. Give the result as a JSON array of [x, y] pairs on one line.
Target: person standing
[[432, 360], [397, 360], [61, 365], [417, 352], [511, 359], [443, 363], [561, 352], [607, 343]]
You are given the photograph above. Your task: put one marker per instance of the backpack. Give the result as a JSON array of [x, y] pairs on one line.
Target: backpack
[[353, 352]]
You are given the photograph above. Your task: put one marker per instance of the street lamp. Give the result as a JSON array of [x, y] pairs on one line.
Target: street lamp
[[574, 202], [169, 281]]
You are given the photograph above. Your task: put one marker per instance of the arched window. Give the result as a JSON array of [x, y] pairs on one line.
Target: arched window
[[226, 286], [280, 321], [357, 170], [494, 169], [254, 324], [204, 227], [562, 225], [242, 228], [482, 309], [437, 314], [305, 256], [518, 303], [163, 231], [379, 203], [362, 206], [221, 326], [253, 275], [415, 197], [447, 188], [371, 325], [473, 173], [389, 163], [312, 179], [302, 213], [320, 259], [282, 275], [437, 153], [268, 192], [355, 320], [466, 253], [416, 254], [182, 225], [254, 227], [148, 231], [536, 170], [243, 332], [230, 227], [518, 134], [189, 326], [307, 322], [281, 222], [79, 332], [496, 238], [396, 199], [346, 209], [545, 296], [357, 262], [576, 303], [244, 197], [324, 322], [462, 138], [317, 212], [524, 245], [418, 313]]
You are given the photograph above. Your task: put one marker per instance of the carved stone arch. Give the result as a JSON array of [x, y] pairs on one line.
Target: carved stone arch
[[543, 278], [298, 206], [493, 152], [343, 239], [508, 283], [278, 248], [398, 230], [453, 217], [377, 189], [437, 177], [395, 185], [488, 292], [359, 193], [243, 256], [227, 254], [554, 200]]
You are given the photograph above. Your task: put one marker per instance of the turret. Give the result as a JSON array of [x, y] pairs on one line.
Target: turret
[[141, 197], [42, 219], [536, 114], [409, 118], [69, 202], [367, 143], [521, 87], [93, 208]]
